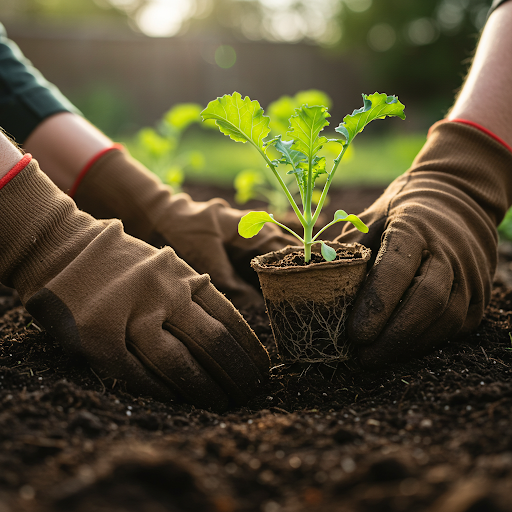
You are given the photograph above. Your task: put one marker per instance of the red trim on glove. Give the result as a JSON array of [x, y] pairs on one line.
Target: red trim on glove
[[478, 127], [485, 130], [16, 169], [88, 165]]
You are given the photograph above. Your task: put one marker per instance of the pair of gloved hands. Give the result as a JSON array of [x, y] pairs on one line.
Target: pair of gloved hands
[[143, 315]]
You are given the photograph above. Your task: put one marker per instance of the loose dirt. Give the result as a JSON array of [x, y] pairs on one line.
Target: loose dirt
[[430, 435]]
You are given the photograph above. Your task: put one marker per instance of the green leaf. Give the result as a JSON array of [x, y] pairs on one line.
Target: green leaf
[[252, 223], [318, 167], [328, 253], [240, 119], [341, 215], [182, 115], [305, 127], [290, 156], [376, 106]]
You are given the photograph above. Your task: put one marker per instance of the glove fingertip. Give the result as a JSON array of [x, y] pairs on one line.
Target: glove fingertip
[[363, 324]]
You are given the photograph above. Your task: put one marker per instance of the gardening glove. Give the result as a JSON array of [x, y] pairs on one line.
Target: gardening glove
[[136, 313], [204, 234], [433, 232]]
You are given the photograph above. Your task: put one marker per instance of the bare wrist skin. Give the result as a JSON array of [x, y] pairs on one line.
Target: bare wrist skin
[[9, 155], [487, 88], [63, 144]]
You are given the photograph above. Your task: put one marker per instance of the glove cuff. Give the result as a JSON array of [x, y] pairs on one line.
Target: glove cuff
[[473, 161], [15, 170], [114, 185], [87, 167], [474, 125], [41, 229]]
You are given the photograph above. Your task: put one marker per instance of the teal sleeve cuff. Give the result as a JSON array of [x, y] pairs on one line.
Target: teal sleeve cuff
[[26, 97]]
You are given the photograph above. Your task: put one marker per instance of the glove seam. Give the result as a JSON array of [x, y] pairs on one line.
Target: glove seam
[[181, 335], [160, 376], [205, 307]]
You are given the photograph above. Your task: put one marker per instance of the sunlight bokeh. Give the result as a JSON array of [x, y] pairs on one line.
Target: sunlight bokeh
[[164, 18]]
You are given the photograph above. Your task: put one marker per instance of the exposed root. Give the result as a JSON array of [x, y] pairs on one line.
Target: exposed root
[[309, 332]]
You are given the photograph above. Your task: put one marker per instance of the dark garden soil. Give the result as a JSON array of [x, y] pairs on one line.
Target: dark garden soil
[[431, 435]]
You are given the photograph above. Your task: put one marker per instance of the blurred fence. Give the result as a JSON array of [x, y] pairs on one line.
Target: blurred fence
[[148, 75]]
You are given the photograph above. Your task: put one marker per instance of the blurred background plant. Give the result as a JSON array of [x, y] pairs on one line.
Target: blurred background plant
[[505, 228], [159, 149], [123, 62], [419, 50]]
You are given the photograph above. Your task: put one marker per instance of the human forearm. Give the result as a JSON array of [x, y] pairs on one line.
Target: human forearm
[[487, 93], [63, 144]]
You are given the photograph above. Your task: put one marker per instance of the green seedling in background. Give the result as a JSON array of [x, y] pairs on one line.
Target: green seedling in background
[[157, 148], [243, 120]]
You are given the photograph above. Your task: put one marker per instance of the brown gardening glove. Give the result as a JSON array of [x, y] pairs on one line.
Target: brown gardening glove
[[136, 313], [204, 234], [433, 232]]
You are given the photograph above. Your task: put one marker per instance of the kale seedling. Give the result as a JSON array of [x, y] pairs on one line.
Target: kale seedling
[[244, 121]]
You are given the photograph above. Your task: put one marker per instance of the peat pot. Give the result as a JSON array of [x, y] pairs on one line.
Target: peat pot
[[308, 304]]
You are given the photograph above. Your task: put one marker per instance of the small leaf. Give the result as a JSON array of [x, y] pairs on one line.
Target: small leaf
[[305, 127], [252, 223], [376, 106], [328, 253], [290, 156], [341, 215], [318, 167], [341, 129], [338, 141], [240, 119]]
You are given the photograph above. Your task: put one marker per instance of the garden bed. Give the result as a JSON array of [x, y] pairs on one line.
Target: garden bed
[[431, 435]]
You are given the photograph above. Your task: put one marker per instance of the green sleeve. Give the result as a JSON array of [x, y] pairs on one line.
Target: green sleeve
[[26, 97]]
